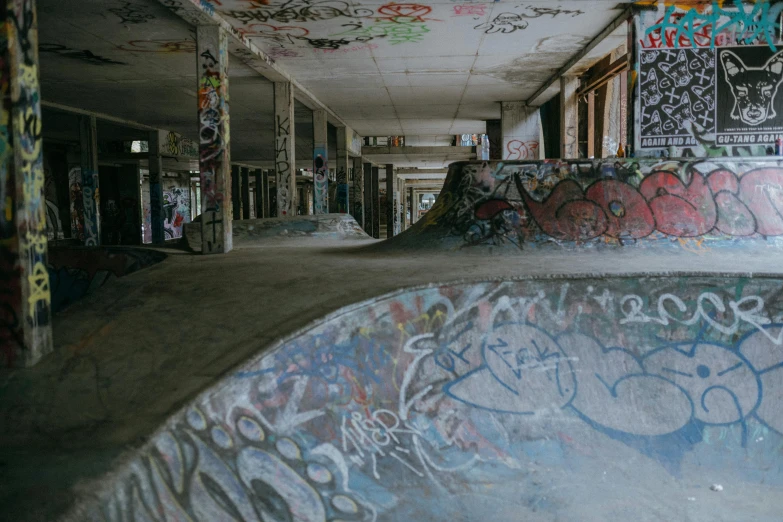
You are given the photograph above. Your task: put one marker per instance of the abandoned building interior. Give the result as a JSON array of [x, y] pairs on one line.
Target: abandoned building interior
[[363, 260]]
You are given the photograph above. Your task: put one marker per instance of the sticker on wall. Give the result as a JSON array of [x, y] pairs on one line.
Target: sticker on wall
[[676, 89]]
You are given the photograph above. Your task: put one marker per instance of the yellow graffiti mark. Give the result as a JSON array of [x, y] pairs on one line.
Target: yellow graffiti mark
[[9, 209], [39, 287]]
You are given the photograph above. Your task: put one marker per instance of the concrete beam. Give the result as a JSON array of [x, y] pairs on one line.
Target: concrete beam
[[201, 12], [555, 78], [418, 151]]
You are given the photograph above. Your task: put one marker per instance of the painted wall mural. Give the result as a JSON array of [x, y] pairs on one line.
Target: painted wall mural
[[618, 202], [709, 77], [475, 390]]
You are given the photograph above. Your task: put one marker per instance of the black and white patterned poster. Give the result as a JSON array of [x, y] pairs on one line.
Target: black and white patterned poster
[[749, 104], [676, 87]]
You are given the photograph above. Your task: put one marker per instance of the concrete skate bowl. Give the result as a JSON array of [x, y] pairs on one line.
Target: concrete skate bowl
[[259, 232], [601, 399], [76, 272], [568, 205]]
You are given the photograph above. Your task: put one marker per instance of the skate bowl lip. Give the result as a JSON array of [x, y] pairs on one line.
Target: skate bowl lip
[[104, 483]]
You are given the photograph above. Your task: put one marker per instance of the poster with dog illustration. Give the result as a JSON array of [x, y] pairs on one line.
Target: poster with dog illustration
[[749, 105], [676, 88]]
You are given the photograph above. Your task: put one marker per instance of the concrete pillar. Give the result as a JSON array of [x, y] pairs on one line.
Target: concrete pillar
[[521, 128], [320, 163], [412, 206], [155, 162], [214, 146], [569, 117], [267, 195], [391, 184], [25, 298], [405, 207], [495, 136], [245, 193], [356, 199], [285, 150], [343, 166], [367, 192], [258, 174], [88, 140], [236, 193], [376, 204]]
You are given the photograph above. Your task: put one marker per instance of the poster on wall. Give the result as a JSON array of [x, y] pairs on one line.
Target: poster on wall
[[727, 93], [676, 87]]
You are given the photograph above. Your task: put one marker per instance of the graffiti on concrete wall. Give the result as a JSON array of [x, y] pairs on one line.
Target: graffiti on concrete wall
[[713, 24], [320, 180], [708, 79], [176, 211], [214, 140], [283, 170], [441, 388], [25, 299], [622, 203]]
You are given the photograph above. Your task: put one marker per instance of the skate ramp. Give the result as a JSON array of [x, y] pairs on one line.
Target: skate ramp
[[256, 232], [589, 399], [584, 204]]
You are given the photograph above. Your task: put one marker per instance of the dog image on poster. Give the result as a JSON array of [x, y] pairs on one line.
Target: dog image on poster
[[747, 96]]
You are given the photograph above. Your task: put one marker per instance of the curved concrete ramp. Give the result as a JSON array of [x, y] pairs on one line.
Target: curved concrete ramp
[[721, 202], [256, 232], [602, 399]]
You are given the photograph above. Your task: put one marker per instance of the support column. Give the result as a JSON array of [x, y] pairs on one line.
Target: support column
[[569, 117], [521, 127], [376, 204], [356, 199], [404, 197], [342, 194], [285, 152], [25, 298], [267, 195], [258, 174], [245, 193], [155, 163], [399, 195], [495, 136], [214, 145], [367, 193], [390, 185], [320, 163], [236, 193], [88, 141], [412, 205]]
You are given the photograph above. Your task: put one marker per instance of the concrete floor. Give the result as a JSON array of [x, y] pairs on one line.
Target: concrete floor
[[129, 356]]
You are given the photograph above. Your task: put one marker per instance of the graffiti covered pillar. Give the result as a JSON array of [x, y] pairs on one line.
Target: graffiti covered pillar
[[245, 193], [356, 189], [25, 298], [320, 163], [265, 175], [214, 139], [285, 151], [342, 194], [569, 117], [88, 141], [521, 131], [367, 193], [376, 204], [404, 197], [156, 189], [391, 184]]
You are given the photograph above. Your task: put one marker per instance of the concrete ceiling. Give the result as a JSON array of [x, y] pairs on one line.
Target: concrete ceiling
[[436, 68]]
